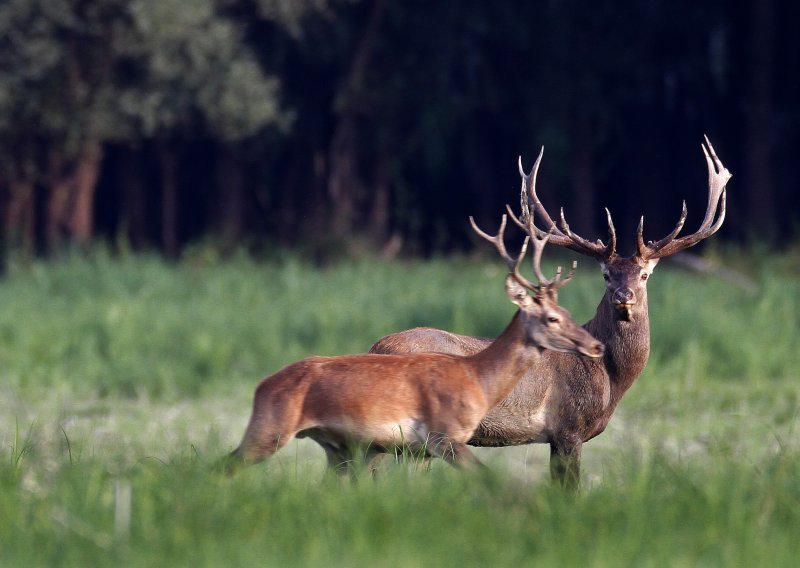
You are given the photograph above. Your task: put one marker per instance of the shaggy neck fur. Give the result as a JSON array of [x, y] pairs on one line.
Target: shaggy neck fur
[[627, 344]]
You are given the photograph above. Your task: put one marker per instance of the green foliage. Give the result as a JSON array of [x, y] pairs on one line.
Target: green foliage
[[125, 71], [742, 335], [194, 62], [124, 378], [137, 326], [650, 511], [290, 14], [379, 110]]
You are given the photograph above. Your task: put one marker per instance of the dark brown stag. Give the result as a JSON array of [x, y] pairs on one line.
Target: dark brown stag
[[563, 400]]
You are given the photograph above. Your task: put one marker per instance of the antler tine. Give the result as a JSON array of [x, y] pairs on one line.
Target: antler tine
[[529, 198], [718, 177], [527, 226], [496, 240], [612, 233], [558, 283], [581, 245], [523, 200], [642, 248], [528, 194], [543, 237], [545, 285], [538, 247], [519, 277]]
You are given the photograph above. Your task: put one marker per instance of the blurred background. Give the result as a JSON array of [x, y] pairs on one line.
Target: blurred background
[[369, 126]]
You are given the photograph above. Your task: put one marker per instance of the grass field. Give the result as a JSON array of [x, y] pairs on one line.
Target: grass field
[[123, 378]]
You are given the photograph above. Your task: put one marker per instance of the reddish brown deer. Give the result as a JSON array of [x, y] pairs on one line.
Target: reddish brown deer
[[428, 402], [562, 400]]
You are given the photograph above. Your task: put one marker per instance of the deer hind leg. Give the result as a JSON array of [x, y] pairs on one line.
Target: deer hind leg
[[455, 453], [565, 464], [255, 448], [276, 419], [373, 459], [340, 459], [266, 433], [346, 460]]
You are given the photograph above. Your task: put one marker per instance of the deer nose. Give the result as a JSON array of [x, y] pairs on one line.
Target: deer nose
[[624, 296], [592, 349]]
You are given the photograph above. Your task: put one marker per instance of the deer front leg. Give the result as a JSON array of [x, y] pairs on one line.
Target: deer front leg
[[465, 459], [565, 464]]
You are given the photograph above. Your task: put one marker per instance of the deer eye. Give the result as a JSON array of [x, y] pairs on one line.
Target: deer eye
[[605, 277], [645, 275], [552, 319]]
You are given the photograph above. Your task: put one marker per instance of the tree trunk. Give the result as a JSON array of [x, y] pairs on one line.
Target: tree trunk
[[134, 198], [230, 184], [299, 173], [20, 217], [761, 207], [344, 183], [57, 201], [379, 219], [84, 186], [169, 200]]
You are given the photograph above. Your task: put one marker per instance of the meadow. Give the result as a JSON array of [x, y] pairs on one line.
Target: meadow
[[123, 377]]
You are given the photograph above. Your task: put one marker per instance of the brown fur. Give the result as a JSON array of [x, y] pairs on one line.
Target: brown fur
[[427, 401], [561, 400]]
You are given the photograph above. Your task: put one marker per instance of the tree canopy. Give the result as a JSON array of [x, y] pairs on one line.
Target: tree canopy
[[365, 123]]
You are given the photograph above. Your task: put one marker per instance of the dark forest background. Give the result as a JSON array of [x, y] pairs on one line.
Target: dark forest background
[[373, 125]]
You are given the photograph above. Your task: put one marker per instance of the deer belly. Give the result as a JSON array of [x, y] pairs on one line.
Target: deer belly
[[503, 427], [408, 431], [405, 432]]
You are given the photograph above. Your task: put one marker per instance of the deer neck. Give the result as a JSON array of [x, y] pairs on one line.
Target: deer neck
[[503, 363], [627, 344]]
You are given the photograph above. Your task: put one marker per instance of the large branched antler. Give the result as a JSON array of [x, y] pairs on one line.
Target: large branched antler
[[544, 285], [563, 236], [718, 176], [539, 239], [497, 241]]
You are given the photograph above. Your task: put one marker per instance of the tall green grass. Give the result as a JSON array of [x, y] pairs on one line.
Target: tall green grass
[[123, 378], [649, 511], [138, 327]]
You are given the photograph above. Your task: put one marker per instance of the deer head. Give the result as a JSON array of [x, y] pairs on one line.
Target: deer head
[[546, 324], [626, 277]]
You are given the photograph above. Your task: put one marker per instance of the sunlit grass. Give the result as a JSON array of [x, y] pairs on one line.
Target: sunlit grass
[[651, 509], [125, 378]]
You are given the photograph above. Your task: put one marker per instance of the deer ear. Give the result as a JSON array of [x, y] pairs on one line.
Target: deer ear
[[517, 293]]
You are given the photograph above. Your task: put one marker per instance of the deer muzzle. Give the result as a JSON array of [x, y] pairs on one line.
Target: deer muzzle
[[595, 349], [623, 300]]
